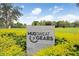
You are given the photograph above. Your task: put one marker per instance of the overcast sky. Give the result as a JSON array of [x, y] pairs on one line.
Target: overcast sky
[[48, 12]]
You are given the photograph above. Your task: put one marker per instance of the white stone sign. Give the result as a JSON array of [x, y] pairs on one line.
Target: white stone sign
[[39, 37]]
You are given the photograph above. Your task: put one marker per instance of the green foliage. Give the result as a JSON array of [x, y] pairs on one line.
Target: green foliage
[[67, 43], [59, 50], [8, 47], [12, 42], [18, 25], [35, 23], [9, 12], [62, 24]]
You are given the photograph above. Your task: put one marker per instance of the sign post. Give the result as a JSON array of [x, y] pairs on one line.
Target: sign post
[[39, 37]]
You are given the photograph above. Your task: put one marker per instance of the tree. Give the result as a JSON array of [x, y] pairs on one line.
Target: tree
[[48, 23], [18, 25], [66, 24], [76, 24], [35, 23], [9, 12], [1, 23], [60, 24]]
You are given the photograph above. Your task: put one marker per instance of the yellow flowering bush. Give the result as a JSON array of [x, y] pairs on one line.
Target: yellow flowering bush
[[66, 44], [12, 42], [8, 47]]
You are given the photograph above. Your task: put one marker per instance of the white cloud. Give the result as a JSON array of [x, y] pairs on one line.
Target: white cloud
[[46, 18], [27, 19], [35, 18], [36, 11], [56, 9], [30, 19], [22, 6], [69, 17]]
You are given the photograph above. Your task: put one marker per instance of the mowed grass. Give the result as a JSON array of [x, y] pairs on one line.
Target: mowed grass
[[71, 34]]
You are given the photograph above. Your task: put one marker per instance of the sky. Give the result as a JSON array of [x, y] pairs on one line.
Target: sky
[[48, 11]]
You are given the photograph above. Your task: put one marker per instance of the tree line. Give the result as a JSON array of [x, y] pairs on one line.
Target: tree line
[[9, 12], [13, 25], [56, 23]]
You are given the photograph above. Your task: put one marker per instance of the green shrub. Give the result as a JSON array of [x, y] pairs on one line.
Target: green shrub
[[8, 47]]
